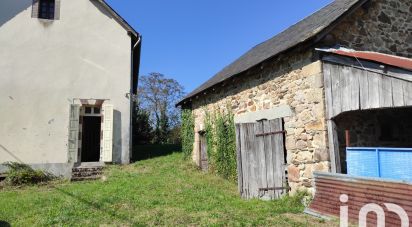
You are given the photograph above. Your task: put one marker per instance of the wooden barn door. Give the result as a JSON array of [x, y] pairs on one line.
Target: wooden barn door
[[261, 159], [204, 164]]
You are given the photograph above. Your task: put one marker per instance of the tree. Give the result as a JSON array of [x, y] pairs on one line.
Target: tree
[[158, 96], [142, 129]]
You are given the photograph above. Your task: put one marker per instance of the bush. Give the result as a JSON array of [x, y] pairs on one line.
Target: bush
[[23, 174], [221, 145], [290, 204], [187, 132]]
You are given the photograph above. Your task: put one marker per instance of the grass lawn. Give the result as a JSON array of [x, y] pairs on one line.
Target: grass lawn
[[160, 191]]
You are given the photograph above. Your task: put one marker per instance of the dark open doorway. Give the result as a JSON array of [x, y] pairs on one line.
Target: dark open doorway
[[387, 128], [91, 139]]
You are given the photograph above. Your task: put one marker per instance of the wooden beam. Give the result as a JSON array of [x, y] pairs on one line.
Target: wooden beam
[[333, 147]]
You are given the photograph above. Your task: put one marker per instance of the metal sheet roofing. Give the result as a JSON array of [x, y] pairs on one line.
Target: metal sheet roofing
[[400, 62], [359, 192]]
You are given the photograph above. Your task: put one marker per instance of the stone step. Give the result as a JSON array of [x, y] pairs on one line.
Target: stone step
[[87, 173], [87, 170], [97, 177], [88, 167]]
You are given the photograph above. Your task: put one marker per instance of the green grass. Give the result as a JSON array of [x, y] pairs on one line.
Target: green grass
[[160, 191], [143, 152]]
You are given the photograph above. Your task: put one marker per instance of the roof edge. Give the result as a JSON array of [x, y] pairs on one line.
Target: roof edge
[[118, 18], [317, 36]]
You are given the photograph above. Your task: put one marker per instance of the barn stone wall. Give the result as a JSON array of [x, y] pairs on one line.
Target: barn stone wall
[[383, 26], [300, 86]]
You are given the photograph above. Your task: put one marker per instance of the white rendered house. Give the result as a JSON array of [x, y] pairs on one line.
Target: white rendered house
[[68, 72]]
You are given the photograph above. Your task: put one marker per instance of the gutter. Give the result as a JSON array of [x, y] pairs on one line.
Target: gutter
[[132, 93]]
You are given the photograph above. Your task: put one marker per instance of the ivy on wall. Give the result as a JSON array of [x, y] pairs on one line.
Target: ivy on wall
[[187, 132], [221, 145]]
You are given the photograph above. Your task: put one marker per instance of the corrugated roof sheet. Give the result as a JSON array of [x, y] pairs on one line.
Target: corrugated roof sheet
[[400, 62], [294, 35], [359, 192]]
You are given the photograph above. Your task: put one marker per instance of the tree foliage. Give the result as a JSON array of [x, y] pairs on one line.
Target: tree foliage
[[142, 129], [158, 96]]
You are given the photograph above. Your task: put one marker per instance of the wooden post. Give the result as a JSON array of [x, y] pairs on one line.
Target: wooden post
[[333, 147], [347, 137]]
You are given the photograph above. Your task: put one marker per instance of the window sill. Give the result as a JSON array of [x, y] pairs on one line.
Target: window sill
[[48, 21]]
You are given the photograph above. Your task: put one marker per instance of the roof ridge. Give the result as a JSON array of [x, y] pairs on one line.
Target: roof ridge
[[294, 35], [296, 23]]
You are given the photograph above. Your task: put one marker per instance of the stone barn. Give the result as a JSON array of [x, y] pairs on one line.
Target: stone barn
[[288, 122]]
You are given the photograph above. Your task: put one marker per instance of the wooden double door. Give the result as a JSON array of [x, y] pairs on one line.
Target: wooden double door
[[261, 159]]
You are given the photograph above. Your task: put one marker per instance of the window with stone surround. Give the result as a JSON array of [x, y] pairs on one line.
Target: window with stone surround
[[46, 9]]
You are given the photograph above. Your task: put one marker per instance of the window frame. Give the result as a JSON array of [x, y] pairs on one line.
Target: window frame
[[52, 13], [47, 9]]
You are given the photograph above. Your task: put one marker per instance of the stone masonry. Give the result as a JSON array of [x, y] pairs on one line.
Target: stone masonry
[[300, 87], [382, 26]]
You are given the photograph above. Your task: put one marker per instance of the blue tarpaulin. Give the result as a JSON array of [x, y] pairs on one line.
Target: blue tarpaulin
[[388, 163]]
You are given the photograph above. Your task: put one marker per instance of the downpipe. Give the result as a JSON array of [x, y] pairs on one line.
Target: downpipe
[[131, 97]]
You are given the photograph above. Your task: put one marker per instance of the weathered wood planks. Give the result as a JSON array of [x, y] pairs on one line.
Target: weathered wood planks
[[279, 157], [260, 159], [333, 147], [349, 88]]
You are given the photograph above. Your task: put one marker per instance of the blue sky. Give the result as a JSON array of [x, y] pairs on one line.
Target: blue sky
[[191, 40]]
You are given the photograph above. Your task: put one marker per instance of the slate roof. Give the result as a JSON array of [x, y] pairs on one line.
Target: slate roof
[[118, 18], [303, 31]]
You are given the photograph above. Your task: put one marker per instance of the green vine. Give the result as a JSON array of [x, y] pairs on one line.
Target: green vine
[[187, 132], [221, 143]]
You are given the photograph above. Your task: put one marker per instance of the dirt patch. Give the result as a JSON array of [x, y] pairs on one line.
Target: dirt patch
[[311, 221]]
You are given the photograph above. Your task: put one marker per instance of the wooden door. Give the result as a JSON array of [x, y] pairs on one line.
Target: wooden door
[[261, 159], [73, 143], [106, 148], [204, 165]]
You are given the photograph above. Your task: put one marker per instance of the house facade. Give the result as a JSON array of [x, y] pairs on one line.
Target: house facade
[[69, 73], [283, 78]]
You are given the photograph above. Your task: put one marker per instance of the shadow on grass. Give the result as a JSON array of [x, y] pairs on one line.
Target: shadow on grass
[[144, 152], [98, 206], [4, 224]]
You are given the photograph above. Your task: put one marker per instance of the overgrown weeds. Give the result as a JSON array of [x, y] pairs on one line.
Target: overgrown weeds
[[22, 174], [187, 132], [221, 145]]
